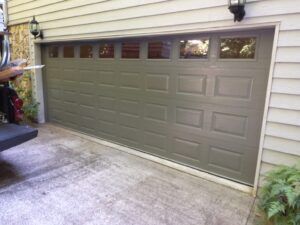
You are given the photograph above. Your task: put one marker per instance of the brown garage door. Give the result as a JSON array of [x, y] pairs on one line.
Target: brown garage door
[[195, 99]]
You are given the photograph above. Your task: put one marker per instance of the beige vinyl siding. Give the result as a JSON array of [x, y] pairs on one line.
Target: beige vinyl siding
[[95, 19]]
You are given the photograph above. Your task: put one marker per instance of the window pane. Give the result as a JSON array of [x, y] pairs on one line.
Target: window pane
[[159, 49], [86, 51], [194, 49], [106, 51], [237, 48], [53, 51], [68, 51], [130, 50]]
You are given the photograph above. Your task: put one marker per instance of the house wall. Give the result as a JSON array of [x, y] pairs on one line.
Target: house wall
[[97, 19]]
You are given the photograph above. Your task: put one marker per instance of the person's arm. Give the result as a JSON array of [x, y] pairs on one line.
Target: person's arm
[[9, 73]]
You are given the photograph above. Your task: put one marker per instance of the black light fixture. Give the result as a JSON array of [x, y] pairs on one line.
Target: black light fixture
[[35, 28], [237, 7]]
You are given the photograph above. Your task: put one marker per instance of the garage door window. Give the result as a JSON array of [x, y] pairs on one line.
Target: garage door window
[[238, 48], [130, 50], [159, 49], [106, 51], [53, 51], [86, 51], [194, 49], [68, 51]]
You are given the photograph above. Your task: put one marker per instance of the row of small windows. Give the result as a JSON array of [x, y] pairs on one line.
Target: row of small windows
[[230, 48]]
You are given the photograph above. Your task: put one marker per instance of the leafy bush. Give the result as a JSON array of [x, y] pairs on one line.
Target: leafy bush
[[23, 87], [279, 198]]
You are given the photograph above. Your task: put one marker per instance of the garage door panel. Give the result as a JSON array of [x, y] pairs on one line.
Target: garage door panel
[[106, 78], [192, 151], [189, 117], [106, 115], [129, 120], [157, 112], [130, 80], [205, 113], [155, 142], [108, 128], [157, 83], [129, 136], [129, 106], [106, 102], [191, 84]]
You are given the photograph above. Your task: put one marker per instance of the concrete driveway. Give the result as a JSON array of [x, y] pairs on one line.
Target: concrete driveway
[[61, 178]]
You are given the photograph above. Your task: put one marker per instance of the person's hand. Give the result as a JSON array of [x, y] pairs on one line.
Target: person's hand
[[17, 70]]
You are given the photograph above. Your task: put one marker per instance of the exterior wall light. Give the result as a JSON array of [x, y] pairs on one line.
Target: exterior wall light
[[35, 30], [237, 7]]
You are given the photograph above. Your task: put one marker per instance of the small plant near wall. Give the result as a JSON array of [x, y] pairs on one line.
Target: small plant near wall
[[279, 199], [23, 87]]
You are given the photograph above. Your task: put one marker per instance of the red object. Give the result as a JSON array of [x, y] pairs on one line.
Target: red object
[[17, 105], [19, 113]]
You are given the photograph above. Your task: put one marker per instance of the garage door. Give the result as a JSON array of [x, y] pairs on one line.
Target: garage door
[[195, 99]]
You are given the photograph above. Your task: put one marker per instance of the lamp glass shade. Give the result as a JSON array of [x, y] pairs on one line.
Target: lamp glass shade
[[34, 27], [236, 2]]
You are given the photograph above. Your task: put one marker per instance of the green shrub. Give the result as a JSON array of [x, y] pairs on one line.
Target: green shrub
[[279, 199], [23, 87]]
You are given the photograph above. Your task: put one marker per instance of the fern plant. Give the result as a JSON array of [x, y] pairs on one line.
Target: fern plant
[[280, 197]]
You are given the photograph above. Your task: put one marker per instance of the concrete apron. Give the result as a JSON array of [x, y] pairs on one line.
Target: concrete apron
[[61, 178]]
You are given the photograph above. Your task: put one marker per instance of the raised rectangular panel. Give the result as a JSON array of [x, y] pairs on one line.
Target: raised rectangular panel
[[69, 75], [225, 159], [156, 112], [86, 100], [191, 84], [235, 87], [87, 76], [130, 80], [70, 107], [54, 93], [69, 85], [129, 134], [70, 96], [129, 106], [186, 149], [106, 115], [106, 78], [106, 127], [129, 120], [70, 117], [189, 117], [53, 83], [106, 102], [157, 82], [87, 111], [155, 140], [229, 124]]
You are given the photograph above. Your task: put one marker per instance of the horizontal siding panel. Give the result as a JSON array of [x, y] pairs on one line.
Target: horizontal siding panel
[[266, 167], [286, 86], [278, 158], [282, 145], [283, 131], [14, 3], [65, 6], [289, 38], [285, 101], [288, 54], [107, 11], [35, 6], [287, 70], [284, 116]]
